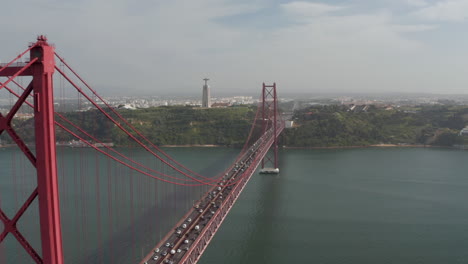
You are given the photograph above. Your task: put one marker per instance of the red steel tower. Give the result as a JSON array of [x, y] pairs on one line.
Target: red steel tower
[[270, 121], [41, 67]]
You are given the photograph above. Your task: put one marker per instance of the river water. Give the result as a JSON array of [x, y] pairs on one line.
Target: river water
[[353, 206], [370, 205]]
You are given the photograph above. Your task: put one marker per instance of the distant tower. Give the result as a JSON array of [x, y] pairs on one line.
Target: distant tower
[[206, 100]]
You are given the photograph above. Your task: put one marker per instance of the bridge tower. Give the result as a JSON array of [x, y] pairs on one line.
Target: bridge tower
[[270, 120], [41, 67]]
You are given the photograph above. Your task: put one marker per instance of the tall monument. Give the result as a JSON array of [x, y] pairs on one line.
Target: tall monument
[[206, 100]]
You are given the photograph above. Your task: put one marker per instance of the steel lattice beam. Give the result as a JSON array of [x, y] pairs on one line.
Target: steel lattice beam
[[41, 68]]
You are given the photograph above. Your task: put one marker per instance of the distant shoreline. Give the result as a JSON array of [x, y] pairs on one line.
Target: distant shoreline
[[332, 147], [373, 146], [193, 146], [290, 147]]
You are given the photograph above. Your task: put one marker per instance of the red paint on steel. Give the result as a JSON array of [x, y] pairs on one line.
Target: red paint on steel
[[264, 123], [275, 125], [270, 119], [47, 181], [41, 68], [7, 66]]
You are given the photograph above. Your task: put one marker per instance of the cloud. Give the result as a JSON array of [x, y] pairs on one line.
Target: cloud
[[374, 30], [308, 9], [163, 47], [446, 10], [354, 52], [146, 47], [413, 28], [417, 2]]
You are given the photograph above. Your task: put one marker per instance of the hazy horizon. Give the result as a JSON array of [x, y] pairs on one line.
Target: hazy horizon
[[285, 94]]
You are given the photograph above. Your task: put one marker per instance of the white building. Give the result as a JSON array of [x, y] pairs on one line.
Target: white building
[[464, 132]]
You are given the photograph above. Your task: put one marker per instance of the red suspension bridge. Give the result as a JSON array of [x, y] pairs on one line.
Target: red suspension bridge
[[121, 188]]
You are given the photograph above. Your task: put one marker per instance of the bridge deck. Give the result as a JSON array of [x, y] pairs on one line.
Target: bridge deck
[[186, 242]]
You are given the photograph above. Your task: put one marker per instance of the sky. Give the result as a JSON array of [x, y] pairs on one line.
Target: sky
[[144, 47]]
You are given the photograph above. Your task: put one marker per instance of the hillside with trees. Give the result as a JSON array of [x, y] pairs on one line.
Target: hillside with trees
[[314, 126], [336, 125], [171, 125]]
